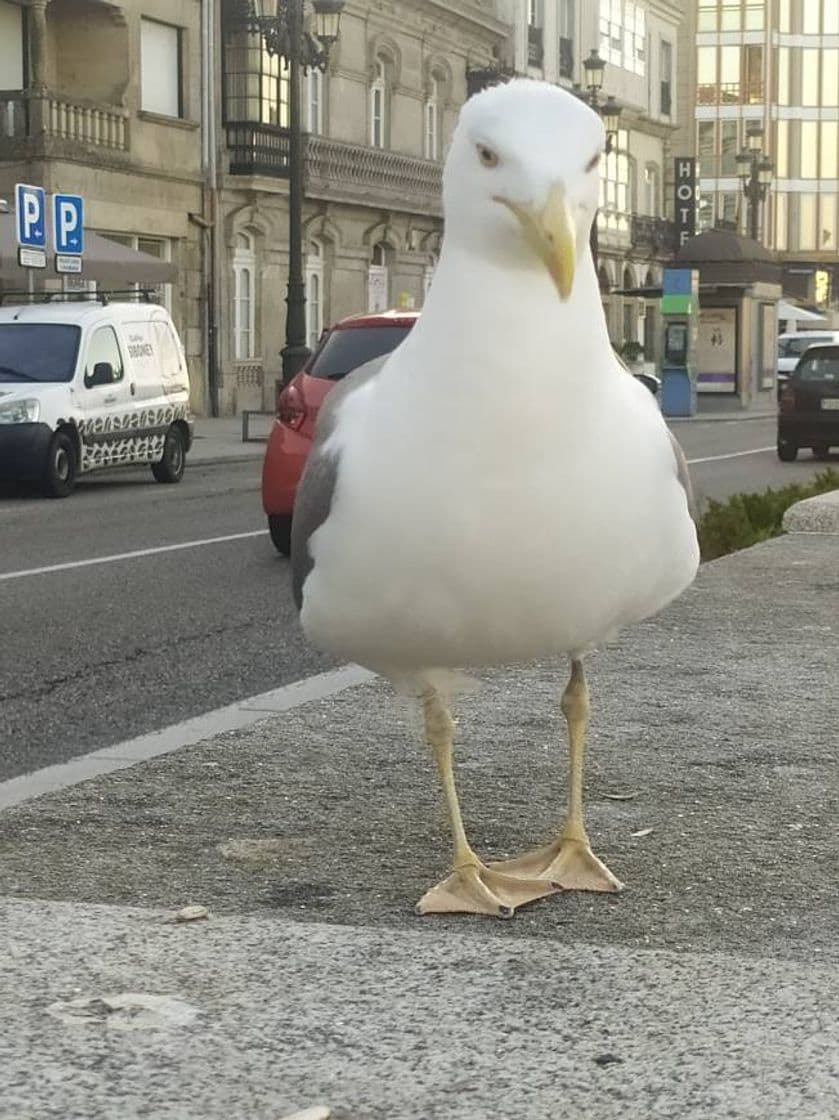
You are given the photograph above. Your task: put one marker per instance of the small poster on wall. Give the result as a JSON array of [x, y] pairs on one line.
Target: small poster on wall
[[716, 358]]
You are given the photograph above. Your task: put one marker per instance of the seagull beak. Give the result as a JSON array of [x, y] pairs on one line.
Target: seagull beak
[[550, 233]]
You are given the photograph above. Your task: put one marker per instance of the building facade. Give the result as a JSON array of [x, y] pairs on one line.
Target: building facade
[[104, 100], [770, 67]]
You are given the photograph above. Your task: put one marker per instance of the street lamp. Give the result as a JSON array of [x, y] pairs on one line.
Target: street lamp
[[755, 170], [285, 34]]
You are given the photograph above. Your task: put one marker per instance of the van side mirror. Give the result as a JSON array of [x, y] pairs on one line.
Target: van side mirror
[[103, 374]]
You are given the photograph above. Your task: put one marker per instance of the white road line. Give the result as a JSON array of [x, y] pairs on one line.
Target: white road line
[[130, 555], [731, 455], [232, 717]]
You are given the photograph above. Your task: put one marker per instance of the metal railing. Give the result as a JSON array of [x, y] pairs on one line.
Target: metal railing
[[23, 116], [652, 233]]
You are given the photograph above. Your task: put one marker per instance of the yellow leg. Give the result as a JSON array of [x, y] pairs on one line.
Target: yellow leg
[[471, 888], [569, 861]]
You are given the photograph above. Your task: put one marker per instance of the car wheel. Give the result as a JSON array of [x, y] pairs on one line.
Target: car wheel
[[59, 477], [279, 526], [821, 451], [787, 452], [170, 468]]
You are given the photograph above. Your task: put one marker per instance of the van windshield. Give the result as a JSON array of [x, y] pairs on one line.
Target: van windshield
[[38, 351], [795, 347]]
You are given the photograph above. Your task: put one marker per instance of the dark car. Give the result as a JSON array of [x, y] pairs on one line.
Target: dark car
[[808, 412]]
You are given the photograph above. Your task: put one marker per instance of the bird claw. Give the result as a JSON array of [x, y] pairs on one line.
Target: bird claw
[[476, 889]]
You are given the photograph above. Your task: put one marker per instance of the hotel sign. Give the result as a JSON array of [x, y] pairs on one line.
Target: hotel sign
[[685, 210]]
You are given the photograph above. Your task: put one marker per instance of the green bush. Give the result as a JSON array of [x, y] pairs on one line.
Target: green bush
[[747, 519]]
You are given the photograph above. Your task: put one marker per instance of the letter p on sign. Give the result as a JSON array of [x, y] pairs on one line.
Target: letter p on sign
[[68, 223]]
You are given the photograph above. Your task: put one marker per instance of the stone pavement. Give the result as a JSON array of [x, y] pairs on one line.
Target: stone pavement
[[708, 989]]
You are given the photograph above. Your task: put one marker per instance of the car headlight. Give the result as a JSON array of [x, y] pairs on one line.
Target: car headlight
[[20, 412]]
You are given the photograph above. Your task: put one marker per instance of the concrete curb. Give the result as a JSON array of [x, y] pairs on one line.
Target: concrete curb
[[220, 460], [721, 419], [814, 515]]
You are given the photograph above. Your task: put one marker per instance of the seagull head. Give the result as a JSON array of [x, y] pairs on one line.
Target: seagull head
[[521, 183]]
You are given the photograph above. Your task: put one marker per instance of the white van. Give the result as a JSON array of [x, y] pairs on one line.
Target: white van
[[88, 385], [793, 344]]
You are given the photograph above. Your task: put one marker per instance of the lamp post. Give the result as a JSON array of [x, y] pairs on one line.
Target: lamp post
[[285, 34], [610, 112], [754, 169]]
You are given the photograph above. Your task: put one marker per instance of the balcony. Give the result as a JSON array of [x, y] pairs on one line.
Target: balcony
[[652, 235], [535, 46], [61, 123], [339, 171]]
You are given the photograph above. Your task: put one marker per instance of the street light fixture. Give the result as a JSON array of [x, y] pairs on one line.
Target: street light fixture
[[755, 170], [303, 49]]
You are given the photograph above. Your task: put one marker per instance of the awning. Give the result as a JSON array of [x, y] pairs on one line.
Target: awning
[[788, 310], [104, 261]]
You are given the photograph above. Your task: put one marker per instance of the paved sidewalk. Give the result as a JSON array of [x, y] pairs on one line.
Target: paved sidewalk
[[710, 988]]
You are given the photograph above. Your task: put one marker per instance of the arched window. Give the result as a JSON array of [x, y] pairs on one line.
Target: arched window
[[432, 120], [314, 292], [379, 106], [377, 279], [244, 303], [314, 105]]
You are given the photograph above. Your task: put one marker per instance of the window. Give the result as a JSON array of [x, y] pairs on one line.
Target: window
[[614, 187], [255, 82], [623, 34], [729, 91], [158, 247], [827, 222], [783, 76], [782, 150], [707, 18], [534, 13], [314, 293], [377, 280], [314, 106], [566, 38], [728, 147], [244, 271], [431, 143], [11, 46], [160, 67], [706, 75], [810, 20], [809, 168], [781, 231], [784, 16], [103, 347], [753, 75], [830, 75], [830, 16], [810, 77], [730, 15], [705, 145], [727, 209], [829, 154], [807, 221], [666, 68], [378, 107], [350, 347]]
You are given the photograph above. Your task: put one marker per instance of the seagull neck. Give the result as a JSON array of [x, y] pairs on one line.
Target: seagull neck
[[479, 295]]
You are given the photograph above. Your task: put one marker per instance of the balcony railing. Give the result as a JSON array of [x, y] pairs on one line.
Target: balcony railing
[[656, 235], [24, 117], [334, 169]]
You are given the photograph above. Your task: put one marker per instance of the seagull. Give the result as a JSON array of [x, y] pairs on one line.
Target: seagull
[[498, 489]]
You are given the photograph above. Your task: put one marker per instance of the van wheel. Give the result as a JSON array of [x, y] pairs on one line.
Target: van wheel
[[170, 468], [279, 526], [59, 478], [787, 452]]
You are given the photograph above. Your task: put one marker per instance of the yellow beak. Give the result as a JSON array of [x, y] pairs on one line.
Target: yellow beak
[[551, 235]]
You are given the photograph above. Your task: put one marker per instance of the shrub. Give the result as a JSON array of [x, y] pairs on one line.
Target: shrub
[[747, 519]]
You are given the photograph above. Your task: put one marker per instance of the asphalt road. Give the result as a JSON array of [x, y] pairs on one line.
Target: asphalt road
[[93, 654]]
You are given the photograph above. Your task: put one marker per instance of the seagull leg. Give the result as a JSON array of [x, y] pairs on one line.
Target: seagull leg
[[470, 888], [569, 860]]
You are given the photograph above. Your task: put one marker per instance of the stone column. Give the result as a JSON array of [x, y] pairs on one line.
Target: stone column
[[37, 25]]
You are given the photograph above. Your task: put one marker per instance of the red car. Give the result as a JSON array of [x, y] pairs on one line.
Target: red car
[[344, 347]]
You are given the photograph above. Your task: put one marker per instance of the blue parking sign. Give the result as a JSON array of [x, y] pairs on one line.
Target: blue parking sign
[[68, 223], [30, 214]]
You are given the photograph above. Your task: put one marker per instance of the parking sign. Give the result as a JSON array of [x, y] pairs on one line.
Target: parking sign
[[30, 205], [68, 224]]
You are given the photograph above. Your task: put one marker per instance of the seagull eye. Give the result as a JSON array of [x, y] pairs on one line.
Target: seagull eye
[[593, 162], [487, 156]]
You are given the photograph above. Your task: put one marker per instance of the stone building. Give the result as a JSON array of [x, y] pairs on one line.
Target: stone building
[[104, 100], [378, 122]]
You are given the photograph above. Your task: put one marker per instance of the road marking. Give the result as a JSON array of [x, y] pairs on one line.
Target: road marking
[[130, 555], [232, 717], [731, 455]]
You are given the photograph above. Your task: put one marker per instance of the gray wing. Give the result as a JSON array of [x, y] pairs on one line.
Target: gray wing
[[683, 473], [313, 499]]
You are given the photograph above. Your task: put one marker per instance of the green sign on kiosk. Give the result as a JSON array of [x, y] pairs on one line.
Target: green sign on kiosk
[[680, 311]]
